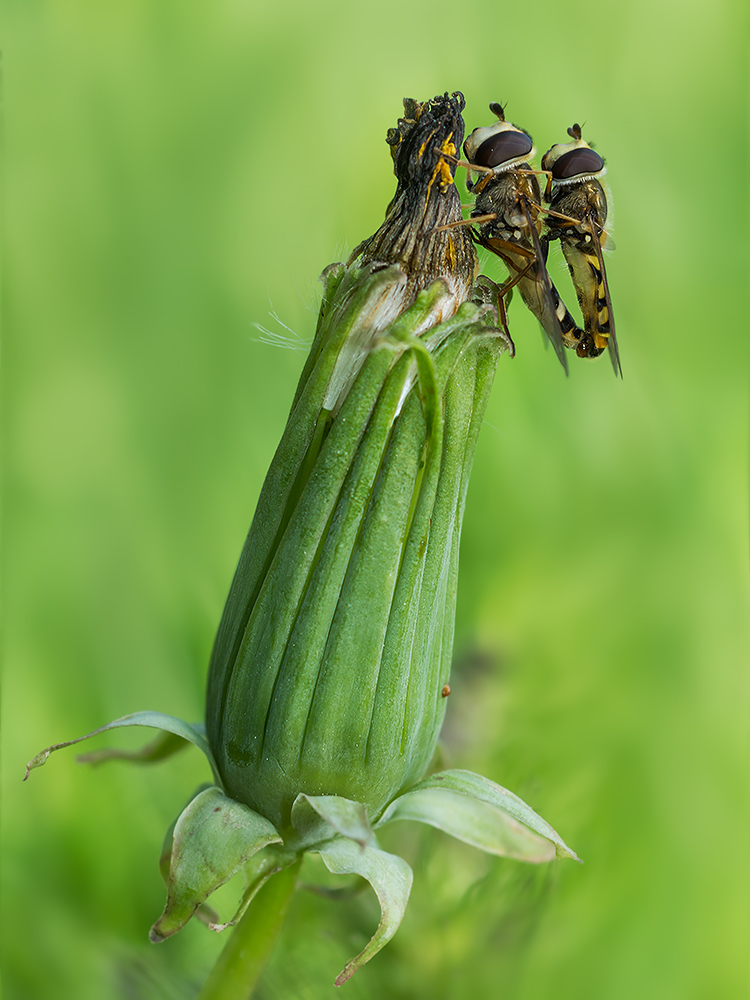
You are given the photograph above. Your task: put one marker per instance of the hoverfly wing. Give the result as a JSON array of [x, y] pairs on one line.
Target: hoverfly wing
[[614, 353], [540, 294], [524, 267]]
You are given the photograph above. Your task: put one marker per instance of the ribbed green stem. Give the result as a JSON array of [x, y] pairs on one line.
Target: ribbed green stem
[[236, 973]]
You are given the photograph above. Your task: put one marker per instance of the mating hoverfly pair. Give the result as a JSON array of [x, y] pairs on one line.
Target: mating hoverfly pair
[[510, 220]]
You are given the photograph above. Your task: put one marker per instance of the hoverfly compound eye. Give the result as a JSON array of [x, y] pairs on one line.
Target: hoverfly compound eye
[[498, 147], [577, 162], [568, 162], [505, 146]]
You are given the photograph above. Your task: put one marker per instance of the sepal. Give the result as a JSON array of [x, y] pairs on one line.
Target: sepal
[[213, 839], [205, 914], [390, 877], [156, 750], [162, 746], [258, 870], [481, 813], [318, 818]]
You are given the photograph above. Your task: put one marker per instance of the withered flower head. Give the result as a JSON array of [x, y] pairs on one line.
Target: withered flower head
[[425, 148]]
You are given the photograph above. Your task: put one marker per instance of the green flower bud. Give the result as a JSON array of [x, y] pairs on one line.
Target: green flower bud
[[328, 668]]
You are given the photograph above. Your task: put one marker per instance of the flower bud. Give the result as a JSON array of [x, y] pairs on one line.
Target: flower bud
[[335, 643]]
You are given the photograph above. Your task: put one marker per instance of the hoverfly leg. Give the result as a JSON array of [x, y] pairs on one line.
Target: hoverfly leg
[[465, 222], [488, 292]]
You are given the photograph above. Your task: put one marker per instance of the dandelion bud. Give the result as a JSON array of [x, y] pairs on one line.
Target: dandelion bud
[[335, 645]]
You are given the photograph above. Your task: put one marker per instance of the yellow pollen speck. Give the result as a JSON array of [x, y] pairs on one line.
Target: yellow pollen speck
[[425, 144], [450, 253]]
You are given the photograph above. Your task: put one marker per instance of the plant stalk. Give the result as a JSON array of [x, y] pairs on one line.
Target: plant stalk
[[238, 969]]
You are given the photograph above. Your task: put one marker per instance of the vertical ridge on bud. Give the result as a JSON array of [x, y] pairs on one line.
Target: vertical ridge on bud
[[432, 580]]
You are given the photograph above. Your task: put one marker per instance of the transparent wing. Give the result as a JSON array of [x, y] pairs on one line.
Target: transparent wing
[[614, 353], [529, 272], [541, 289]]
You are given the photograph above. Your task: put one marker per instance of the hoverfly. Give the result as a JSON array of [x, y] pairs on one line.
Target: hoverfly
[[577, 214], [507, 217]]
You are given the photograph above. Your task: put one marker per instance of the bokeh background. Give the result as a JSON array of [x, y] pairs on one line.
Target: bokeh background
[[178, 173]]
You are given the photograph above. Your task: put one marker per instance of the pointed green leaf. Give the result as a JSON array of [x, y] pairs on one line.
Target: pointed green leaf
[[192, 732], [204, 913], [390, 877], [213, 838], [257, 872], [474, 822], [319, 817], [479, 812], [164, 745]]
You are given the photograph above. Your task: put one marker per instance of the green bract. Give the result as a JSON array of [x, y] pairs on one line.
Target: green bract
[[325, 691]]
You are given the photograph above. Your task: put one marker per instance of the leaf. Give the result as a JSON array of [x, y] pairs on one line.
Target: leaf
[[390, 877], [257, 872], [475, 823], [319, 817], [193, 733], [204, 913], [213, 838], [164, 745], [479, 812]]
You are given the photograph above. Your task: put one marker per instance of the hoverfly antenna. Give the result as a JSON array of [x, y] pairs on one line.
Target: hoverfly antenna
[[575, 131], [498, 109]]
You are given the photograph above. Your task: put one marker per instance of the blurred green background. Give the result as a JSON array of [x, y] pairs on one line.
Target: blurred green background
[[176, 173]]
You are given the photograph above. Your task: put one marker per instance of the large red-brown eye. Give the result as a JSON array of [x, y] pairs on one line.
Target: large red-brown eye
[[575, 162], [504, 146]]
